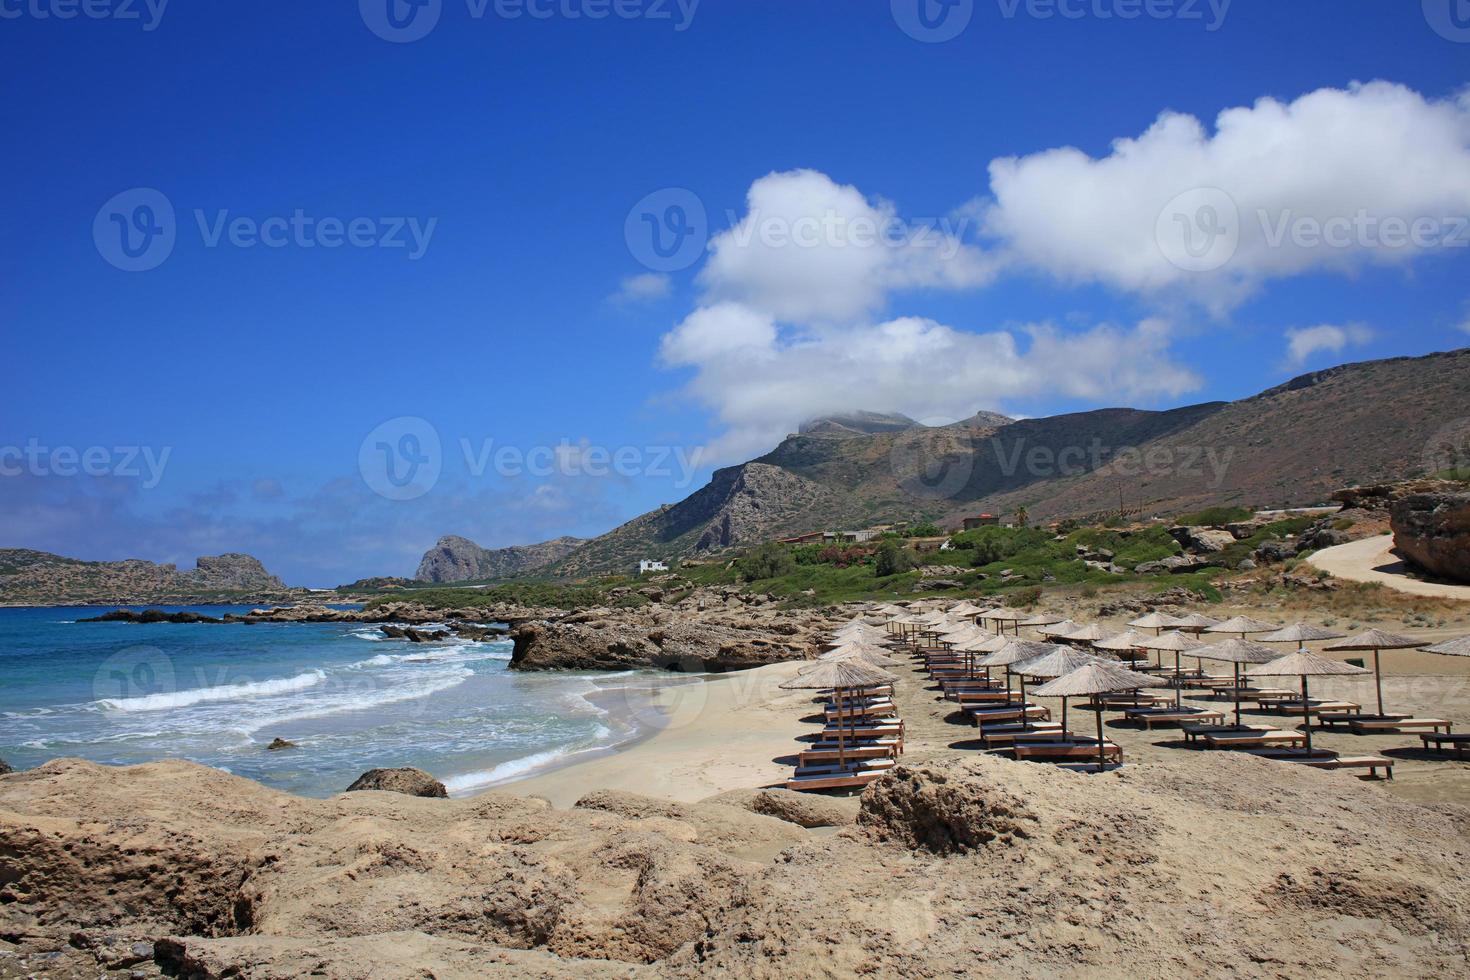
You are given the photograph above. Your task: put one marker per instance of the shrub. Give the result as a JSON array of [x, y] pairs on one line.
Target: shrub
[[893, 559], [1028, 596], [928, 529], [768, 561], [1215, 515]]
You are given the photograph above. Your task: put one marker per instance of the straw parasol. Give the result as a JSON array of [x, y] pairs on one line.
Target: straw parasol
[[1003, 616], [1013, 652], [1375, 640], [867, 655], [1090, 633], [1459, 647], [1041, 619], [1299, 633], [1237, 652], [965, 608], [1126, 640], [1062, 660], [1195, 623], [1156, 621], [1304, 664], [1061, 627], [982, 642], [840, 676], [1242, 625], [1177, 643], [1096, 678]]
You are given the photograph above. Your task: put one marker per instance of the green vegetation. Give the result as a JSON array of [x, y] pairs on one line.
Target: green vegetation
[[927, 529], [770, 560], [1216, 515], [893, 559]]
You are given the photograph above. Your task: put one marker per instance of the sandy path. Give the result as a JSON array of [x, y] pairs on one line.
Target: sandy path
[[719, 735], [1370, 560]]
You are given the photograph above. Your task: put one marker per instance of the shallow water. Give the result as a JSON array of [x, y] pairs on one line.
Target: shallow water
[[353, 700]]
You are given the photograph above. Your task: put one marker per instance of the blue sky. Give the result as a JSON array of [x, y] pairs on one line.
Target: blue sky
[[258, 379]]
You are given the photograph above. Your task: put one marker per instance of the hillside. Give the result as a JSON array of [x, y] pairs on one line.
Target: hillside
[[1289, 446], [36, 577], [457, 559]]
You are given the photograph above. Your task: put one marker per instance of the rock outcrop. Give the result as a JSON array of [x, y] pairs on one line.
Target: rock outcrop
[[687, 647], [1432, 530], [457, 559], [1003, 867], [408, 781], [232, 573], [5, 767], [41, 578]]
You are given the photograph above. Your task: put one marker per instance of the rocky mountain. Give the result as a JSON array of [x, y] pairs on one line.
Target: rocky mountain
[[39, 577], [457, 559], [1289, 446]]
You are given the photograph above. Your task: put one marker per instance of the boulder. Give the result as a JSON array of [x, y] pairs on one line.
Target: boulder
[[1246, 565], [1202, 540], [5, 767], [676, 645], [1432, 530], [408, 781], [279, 744], [1272, 551], [937, 584], [944, 809]]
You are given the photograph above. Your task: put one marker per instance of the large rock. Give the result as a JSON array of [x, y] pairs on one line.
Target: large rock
[[677, 646], [5, 767], [944, 809], [1202, 540], [457, 559], [408, 781], [232, 572], [1432, 530]]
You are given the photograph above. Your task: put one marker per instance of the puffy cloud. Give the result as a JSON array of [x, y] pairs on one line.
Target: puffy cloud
[[810, 249], [1302, 343], [1332, 180], [642, 288], [763, 386]]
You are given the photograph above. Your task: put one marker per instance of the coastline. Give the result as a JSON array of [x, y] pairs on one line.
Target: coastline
[[724, 733]]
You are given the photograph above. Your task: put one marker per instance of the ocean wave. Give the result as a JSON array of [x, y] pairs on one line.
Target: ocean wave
[[408, 690], [222, 692]]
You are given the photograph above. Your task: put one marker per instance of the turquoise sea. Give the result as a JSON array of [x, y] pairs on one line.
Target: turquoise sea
[[353, 700]]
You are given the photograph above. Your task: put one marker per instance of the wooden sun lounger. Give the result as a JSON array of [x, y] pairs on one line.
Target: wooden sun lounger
[[1368, 727], [1286, 707], [1456, 743], [828, 768], [1153, 716], [1031, 731], [1328, 760], [1127, 700], [1030, 712], [818, 755], [1072, 748], [1255, 740], [850, 780]]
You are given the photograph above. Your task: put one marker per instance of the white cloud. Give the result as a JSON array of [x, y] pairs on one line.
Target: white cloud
[[761, 383], [810, 249], [1378, 156], [1302, 343], [642, 288]]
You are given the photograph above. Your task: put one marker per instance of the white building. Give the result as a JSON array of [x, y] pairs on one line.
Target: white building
[[651, 565]]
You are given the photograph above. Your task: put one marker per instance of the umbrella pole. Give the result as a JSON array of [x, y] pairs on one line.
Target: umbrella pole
[[1178, 683], [1064, 713], [1102, 753], [1378, 681], [841, 733], [1307, 714], [1237, 696]]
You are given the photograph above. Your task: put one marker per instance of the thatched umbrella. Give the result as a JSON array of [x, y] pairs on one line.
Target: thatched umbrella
[[866, 654], [1304, 663], [967, 609], [1041, 619], [1013, 652], [1458, 647], [1243, 625], [1061, 661], [1003, 616], [1237, 652], [1098, 678], [1061, 627], [1156, 621], [1195, 623], [842, 677], [1375, 640], [1126, 640], [1090, 633], [1178, 643], [1299, 633], [982, 643]]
